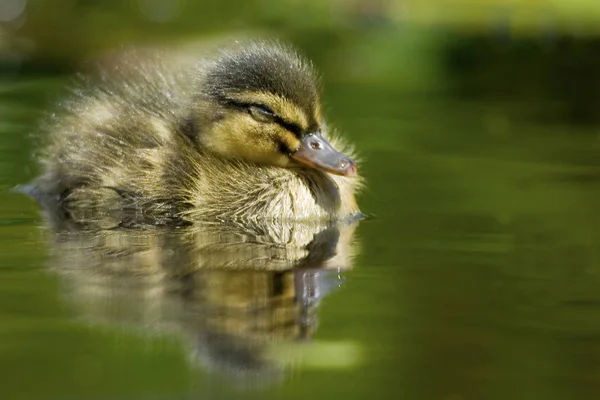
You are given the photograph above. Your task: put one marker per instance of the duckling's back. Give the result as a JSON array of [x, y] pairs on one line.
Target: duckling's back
[[108, 141]]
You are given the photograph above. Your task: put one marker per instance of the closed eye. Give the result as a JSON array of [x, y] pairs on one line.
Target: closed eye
[[265, 114], [261, 113]]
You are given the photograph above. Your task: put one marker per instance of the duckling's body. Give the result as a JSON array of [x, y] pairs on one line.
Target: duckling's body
[[198, 138]]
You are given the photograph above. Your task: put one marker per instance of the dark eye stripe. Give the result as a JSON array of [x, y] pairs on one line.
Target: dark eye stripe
[[290, 126], [284, 148]]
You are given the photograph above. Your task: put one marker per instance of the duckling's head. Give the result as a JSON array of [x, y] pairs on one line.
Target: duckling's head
[[260, 102]]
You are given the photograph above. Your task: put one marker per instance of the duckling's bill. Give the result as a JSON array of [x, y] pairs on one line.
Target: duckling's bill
[[316, 152]]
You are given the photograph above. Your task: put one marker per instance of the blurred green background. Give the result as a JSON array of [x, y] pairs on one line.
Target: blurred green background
[[478, 123]]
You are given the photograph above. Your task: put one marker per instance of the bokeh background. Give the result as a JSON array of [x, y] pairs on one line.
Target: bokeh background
[[479, 126]]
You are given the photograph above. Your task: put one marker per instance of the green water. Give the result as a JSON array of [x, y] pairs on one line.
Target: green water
[[477, 278]]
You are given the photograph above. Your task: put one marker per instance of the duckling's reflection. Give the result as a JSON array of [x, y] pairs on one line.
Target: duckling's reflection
[[236, 292]]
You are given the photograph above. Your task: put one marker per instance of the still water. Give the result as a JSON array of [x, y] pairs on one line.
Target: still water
[[477, 276]]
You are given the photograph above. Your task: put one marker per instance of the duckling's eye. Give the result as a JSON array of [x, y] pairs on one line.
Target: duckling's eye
[[261, 113]]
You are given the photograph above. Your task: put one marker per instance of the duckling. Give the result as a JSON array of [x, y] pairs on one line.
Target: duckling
[[234, 133]]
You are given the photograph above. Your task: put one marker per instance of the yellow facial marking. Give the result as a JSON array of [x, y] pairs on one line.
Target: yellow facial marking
[[239, 136], [290, 140], [261, 139], [318, 116]]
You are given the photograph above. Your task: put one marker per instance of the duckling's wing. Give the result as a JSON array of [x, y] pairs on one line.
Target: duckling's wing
[[108, 142]]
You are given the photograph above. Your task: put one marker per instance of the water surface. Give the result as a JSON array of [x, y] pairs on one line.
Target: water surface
[[477, 276]]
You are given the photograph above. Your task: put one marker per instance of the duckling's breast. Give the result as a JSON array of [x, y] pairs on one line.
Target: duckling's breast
[[226, 189]]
